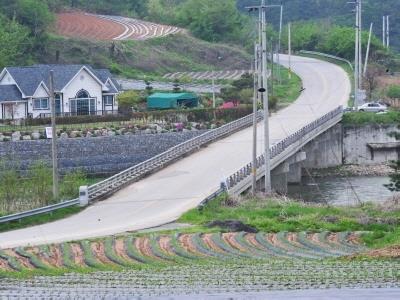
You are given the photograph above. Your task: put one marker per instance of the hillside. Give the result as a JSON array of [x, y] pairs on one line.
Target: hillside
[[155, 57], [339, 12]]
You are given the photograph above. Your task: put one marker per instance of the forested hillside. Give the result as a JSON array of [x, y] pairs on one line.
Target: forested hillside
[[338, 12]]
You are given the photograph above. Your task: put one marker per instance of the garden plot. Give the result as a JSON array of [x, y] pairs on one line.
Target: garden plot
[[212, 277], [131, 251], [107, 28]]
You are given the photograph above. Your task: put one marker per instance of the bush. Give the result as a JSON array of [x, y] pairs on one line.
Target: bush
[[78, 120], [393, 91]]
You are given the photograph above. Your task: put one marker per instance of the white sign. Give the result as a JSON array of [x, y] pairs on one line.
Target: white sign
[[49, 132]]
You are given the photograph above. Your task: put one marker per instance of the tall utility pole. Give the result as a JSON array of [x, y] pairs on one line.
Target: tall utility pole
[[368, 48], [356, 60], [387, 32], [255, 109], [360, 63], [264, 90], [54, 136], [279, 45], [290, 49], [384, 31]]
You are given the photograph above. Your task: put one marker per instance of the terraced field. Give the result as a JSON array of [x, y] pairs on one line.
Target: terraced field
[[107, 28], [130, 251], [218, 75]]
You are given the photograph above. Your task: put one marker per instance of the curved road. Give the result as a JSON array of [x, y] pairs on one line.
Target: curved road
[[165, 195]]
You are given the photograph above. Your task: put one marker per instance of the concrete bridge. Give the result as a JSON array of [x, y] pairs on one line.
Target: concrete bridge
[[162, 197]]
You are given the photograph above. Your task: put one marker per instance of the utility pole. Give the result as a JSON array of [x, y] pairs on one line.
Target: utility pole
[[255, 109], [384, 31], [368, 48], [356, 61], [290, 49], [213, 88], [360, 63], [264, 90], [279, 45], [387, 32], [54, 136]]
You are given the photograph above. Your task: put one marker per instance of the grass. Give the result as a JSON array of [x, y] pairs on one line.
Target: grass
[[289, 90], [362, 118], [153, 57], [40, 219], [274, 215]]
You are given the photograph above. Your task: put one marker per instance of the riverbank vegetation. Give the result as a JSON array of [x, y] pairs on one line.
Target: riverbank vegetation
[[364, 118], [380, 223], [26, 190]]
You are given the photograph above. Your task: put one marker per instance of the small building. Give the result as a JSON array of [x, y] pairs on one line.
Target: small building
[[79, 90], [172, 101]]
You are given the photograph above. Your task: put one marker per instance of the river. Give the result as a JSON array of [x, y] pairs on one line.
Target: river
[[342, 190]]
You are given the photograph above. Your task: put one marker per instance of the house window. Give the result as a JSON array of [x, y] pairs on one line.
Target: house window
[[108, 100], [41, 104]]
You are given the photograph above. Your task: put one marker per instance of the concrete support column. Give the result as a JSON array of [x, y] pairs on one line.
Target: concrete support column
[[295, 173], [279, 178]]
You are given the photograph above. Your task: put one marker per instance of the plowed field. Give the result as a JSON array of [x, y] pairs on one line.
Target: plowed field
[[107, 28]]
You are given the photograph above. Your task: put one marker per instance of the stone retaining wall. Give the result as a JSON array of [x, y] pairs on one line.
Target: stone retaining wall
[[101, 155]]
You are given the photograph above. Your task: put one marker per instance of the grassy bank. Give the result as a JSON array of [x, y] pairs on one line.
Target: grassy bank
[[363, 118], [276, 215], [288, 90]]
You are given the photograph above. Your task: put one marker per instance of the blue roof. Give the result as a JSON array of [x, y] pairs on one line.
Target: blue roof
[[9, 93]]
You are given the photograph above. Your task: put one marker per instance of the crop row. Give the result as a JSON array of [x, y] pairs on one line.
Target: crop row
[[178, 248], [215, 276]]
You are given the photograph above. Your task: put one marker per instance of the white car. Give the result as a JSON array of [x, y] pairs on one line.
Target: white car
[[372, 107]]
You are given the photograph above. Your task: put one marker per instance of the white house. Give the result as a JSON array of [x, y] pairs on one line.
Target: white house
[[79, 90]]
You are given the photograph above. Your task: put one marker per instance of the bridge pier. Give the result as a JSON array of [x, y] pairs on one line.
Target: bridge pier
[[279, 178]]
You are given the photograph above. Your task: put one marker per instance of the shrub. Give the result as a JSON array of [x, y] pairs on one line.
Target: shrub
[[393, 91]]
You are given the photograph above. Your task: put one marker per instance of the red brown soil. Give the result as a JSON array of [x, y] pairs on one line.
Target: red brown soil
[[77, 255], [229, 238], [4, 265], [80, 25], [186, 242], [333, 238], [46, 258], [99, 252], [208, 241], [165, 245], [353, 239], [251, 239], [119, 247], [143, 246], [390, 252], [22, 260], [293, 239]]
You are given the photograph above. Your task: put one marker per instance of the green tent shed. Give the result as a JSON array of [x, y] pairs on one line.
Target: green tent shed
[[172, 100]]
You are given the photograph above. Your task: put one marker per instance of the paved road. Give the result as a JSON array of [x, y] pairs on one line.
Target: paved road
[[164, 196]]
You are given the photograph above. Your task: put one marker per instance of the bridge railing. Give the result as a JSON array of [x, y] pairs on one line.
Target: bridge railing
[[130, 175], [118, 181], [280, 147]]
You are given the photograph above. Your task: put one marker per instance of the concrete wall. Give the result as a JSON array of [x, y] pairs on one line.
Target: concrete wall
[[356, 138], [349, 145], [326, 150], [101, 155]]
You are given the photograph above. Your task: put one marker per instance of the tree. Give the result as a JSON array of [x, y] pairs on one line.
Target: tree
[[371, 76], [15, 42], [128, 100]]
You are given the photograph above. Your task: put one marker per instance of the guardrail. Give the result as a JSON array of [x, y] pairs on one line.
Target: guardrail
[[39, 211], [328, 56], [118, 181], [277, 149]]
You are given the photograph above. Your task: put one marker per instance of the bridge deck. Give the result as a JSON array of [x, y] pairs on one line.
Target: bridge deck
[[162, 197]]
